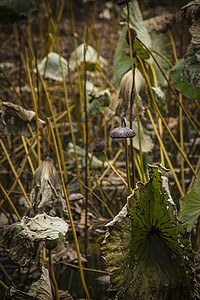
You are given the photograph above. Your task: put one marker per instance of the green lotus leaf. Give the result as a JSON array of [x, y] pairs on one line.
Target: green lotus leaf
[[122, 62], [47, 194], [137, 22], [146, 248], [146, 141], [42, 230], [140, 50], [191, 69], [162, 45], [190, 205], [181, 83]]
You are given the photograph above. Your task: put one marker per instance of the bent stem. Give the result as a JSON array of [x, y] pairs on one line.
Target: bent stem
[[69, 212]]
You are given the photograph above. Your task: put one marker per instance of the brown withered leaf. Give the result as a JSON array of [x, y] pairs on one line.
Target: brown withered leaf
[[47, 194], [14, 120], [40, 290], [160, 23], [191, 70], [25, 240], [190, 11]]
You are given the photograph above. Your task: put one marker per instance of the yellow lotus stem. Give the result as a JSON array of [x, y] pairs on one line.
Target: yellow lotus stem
[[69, 211], [15, 173]]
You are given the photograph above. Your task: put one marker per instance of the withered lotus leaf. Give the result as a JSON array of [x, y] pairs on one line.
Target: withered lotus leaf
[[47, 194], [40, 290], [42, 231], [14, 119]]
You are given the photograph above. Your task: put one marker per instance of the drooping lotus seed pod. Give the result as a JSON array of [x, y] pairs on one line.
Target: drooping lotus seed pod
[[133, 36]]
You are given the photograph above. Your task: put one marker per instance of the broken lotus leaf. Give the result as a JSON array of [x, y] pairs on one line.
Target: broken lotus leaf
[[50, 67], [191, 70], [91, 57], [20, 249], [42, 230], [47, 194], [146, 248], [190, 205], [40, 290], [14, 120], [181, 82]]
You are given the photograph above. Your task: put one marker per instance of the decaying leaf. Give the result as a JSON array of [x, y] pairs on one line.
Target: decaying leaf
[[39, 290], [50, 67], [181, 83], [45, 228], [19, 248], [91, 57], [42, 230], [190, 205], [146, 248], [191, 12], [14, 120], [47, 194], [160, 23]]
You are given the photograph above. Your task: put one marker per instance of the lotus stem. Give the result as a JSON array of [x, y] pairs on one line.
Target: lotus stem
[[69, 212], [3, 285], [10, 202], [103, 202], [163, 120], [165, 153], [53, 275], [116, 172], [133, 94], [127, 167], [108, 168], [78, 71], [180, 115], [15, 173], [171, 87]]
